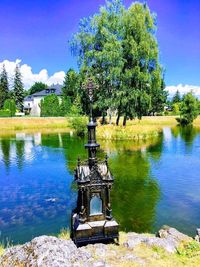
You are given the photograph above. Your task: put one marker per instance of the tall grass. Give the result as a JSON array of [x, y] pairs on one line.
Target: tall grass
[[1, 249], [130, 132], [147, 128], [27, 125], [64, 234]]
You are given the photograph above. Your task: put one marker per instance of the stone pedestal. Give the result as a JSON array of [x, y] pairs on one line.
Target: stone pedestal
[[97, 231]]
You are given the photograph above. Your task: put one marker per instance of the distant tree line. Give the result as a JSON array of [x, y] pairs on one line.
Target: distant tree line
[[11, 100]]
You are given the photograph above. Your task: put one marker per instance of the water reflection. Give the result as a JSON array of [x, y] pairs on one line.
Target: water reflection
[[5, 151], [187, 133], [135, 193], [36, 174]]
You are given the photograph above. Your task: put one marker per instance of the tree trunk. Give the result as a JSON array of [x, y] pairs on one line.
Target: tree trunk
[[103, 118], [110, 118], [110, 115], [118, 118], [124, 121]]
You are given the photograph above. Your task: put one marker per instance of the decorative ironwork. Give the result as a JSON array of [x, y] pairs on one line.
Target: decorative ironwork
[[94, 179]]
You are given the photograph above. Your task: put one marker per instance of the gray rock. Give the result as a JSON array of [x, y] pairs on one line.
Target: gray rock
[[167, 231], [47, 251], [99, 264], [43, 251], [134, 259], [169, 244], [167, 238]]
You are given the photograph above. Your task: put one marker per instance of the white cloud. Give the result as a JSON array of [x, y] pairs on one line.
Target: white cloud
[[183, 89], [28, 77]]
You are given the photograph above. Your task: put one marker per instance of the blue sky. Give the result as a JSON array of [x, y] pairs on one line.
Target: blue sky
[[37, 32]]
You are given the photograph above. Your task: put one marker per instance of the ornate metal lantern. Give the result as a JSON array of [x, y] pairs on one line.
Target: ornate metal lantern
[[92, 219]]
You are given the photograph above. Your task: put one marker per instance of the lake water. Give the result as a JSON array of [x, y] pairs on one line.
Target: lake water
[[155, 183]]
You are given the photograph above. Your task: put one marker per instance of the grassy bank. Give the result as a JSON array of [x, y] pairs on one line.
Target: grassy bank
[[1, 249], [130, 132], [148, 127], [188, 253], [28, 123]]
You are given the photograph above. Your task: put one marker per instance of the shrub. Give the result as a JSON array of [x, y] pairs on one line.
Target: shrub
[[189, 109], [4, 113], [190, 249], [9, 104], [65, 107], [79, 125], [50, 106], [176, 108]]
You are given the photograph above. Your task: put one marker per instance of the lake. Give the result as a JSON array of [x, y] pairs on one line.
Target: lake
[[156, 182]]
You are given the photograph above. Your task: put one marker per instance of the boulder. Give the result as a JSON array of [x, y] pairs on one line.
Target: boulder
[[168, 244], [167, 231], [50, 251], [167, 238], [44, 251]]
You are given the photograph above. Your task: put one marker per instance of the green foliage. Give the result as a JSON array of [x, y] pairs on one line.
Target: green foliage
[[71, 85], [176, 98], [118, 48], [189, 109], [9, 104], [199, 106], [18, 89], [65, 106], [64, 234], [4, 87], [79, 125], [50, 106], [76, 108], [4, 113], [176, 108], [37, 87], [72, 93], [189, 250]]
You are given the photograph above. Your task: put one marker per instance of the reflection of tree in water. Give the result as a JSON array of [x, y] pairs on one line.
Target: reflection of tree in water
[[20, 153], [5, 148], [73, 147], [135, 193], [156, 149], [187, 133], [50, 140]]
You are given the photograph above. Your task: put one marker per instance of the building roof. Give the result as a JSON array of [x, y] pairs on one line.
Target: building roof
[[28, 98], [54, 89]]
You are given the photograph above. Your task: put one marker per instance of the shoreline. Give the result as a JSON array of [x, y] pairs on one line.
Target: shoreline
[[168, 247], [147, 128]]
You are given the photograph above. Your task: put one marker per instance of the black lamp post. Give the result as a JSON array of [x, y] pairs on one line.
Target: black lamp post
[[92, 220], [91, 145]]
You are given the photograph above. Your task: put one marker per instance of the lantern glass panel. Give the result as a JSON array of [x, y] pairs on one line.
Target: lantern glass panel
[[95, 205]]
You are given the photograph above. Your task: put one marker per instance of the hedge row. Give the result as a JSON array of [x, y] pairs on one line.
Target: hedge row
[[5, 113]]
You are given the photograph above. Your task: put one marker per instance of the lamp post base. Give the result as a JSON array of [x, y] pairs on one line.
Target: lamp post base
[[92, 232]]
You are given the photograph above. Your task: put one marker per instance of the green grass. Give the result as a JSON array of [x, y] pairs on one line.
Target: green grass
[[64, 234], [130, 132], [188, 253], [1, 249], [148, 127]]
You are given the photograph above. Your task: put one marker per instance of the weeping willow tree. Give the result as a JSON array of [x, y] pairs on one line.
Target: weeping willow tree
[[118, 47]]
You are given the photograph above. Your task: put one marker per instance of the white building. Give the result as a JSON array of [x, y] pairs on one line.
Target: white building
[[32, 102]]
